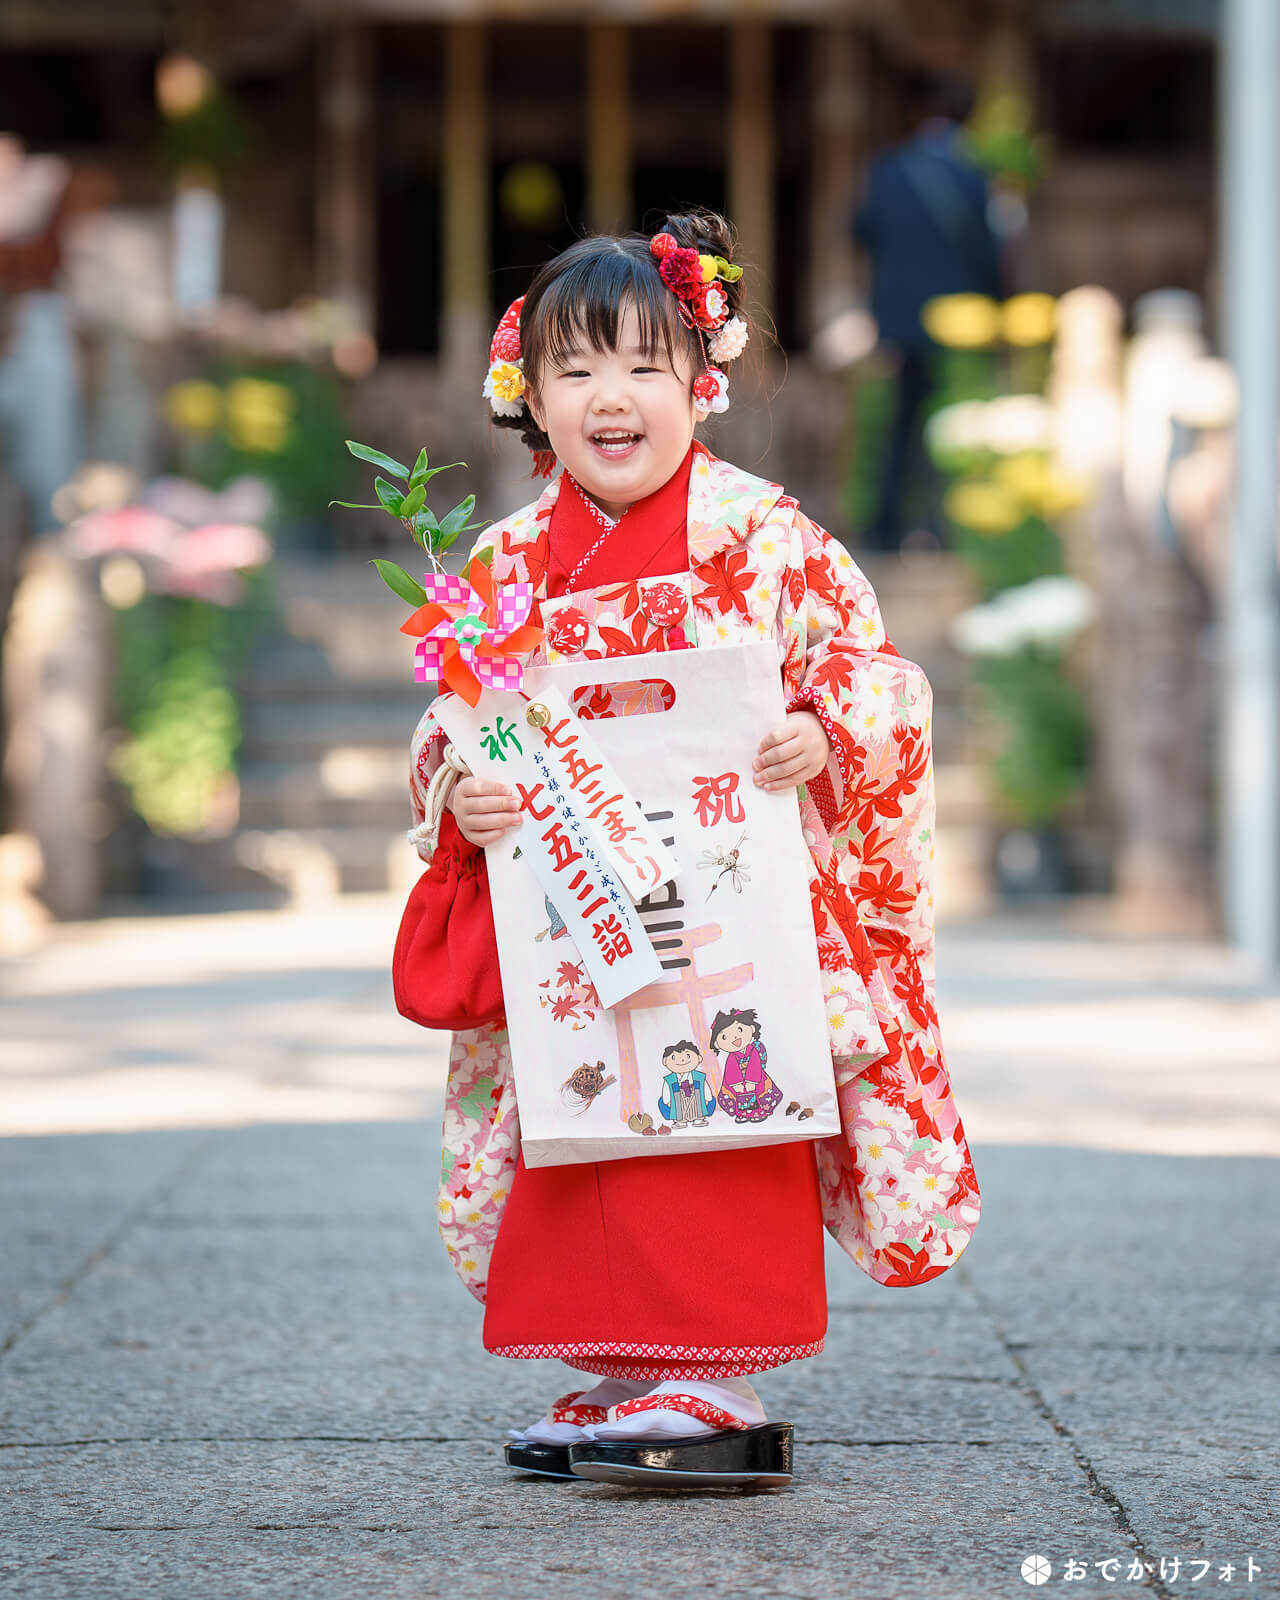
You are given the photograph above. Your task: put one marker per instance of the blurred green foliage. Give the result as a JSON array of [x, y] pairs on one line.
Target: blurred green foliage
[[177, 662], [281, 421], [1044, 753]]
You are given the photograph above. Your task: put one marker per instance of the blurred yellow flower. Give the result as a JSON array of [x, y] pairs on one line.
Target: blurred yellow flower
[[194, 406], [1040, 486], [258, 413], [1065, 494], [984, 507], [1030, 319], [1027, 476], [962, 321]]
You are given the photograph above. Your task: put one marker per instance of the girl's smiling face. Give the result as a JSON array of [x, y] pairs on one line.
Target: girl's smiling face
[[620, 421], [736, 1036]]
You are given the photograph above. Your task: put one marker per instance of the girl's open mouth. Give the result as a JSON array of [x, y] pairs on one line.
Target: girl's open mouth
[[615, 441]]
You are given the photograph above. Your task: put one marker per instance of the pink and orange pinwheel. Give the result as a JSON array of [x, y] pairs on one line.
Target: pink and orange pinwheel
[[473, 632]]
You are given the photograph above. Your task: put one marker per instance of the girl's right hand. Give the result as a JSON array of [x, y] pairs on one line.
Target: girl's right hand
[[484, 810]]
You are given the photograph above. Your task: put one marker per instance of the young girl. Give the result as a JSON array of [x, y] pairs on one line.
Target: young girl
[[607, 366]]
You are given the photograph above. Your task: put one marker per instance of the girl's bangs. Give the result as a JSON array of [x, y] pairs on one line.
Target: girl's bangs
[[583, 307]]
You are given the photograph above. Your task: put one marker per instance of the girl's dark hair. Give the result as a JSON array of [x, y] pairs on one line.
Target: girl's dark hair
[[579, 297], [725, 1018]]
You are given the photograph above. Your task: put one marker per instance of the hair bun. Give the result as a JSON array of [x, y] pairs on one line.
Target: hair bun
[[709, 234], [704, 231]]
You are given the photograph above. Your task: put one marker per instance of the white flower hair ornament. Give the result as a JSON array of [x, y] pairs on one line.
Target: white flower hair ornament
[[729, 343]]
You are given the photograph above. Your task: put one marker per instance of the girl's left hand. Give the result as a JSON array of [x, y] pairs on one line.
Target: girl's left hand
[[793, 753]]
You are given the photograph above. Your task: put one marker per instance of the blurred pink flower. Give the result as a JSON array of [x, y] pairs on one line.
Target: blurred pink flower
[[243, 500], [191, 540], [221, 547], [221, 588], [137, 529]]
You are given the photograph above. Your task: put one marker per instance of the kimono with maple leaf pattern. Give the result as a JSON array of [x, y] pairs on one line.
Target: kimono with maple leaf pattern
[[898, 1189]]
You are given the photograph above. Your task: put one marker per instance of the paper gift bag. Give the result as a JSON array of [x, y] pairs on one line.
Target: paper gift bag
[[726, 1045]]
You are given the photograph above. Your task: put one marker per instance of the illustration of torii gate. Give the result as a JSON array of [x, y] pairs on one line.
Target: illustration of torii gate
[[689, 989]]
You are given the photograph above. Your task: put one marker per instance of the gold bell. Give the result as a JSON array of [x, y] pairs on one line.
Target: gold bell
[[537, 715]]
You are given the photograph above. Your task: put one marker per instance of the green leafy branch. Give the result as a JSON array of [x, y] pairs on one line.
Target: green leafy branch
[[409, 506]]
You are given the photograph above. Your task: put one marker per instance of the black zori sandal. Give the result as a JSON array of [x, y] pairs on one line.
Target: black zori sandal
[[547, 1460], [758, 1458], [552, 1460]]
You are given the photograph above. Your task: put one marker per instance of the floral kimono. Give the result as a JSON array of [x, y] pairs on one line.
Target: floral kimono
[[748, 1093], [897, 1187]]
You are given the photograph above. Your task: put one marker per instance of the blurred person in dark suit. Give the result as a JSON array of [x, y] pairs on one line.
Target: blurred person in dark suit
[[923, 222]]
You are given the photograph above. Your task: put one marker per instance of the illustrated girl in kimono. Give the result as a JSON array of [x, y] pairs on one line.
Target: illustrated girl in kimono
[[645, 541], [747, 1092], [686, 1100]]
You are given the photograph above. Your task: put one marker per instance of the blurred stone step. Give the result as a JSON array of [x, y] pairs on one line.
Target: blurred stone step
[[348, 784], [297, 669], [307, 730], [287, 667], [315, 864], [346, 613]]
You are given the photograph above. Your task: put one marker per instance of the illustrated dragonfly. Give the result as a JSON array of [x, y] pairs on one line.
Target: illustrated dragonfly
[[726, 863]]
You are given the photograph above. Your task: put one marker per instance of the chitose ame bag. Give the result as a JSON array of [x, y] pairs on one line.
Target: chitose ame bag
[[654, 929]]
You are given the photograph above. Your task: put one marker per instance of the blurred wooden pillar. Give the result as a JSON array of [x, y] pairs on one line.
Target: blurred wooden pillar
[[345, 208], [839, 142], [608, 152], [750, 155], [465, 315]]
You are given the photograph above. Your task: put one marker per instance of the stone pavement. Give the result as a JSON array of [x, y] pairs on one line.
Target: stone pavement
[[235, 1361]]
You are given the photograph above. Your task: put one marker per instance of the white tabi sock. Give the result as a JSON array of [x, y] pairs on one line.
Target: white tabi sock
[[732, 1395], [608, 1392]]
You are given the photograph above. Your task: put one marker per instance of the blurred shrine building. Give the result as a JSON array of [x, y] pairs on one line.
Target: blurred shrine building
[[416, 159], [407, 164]]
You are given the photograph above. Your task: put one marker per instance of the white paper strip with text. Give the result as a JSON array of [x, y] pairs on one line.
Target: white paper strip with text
[[555, 839]]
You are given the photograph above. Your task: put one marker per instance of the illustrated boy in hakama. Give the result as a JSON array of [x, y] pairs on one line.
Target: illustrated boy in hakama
[[686, 1100]]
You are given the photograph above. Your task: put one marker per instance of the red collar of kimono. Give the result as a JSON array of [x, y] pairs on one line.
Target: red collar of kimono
[[725, 505], [648, 540]]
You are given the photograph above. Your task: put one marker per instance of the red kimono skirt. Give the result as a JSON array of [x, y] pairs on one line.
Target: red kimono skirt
[[681, 1266]]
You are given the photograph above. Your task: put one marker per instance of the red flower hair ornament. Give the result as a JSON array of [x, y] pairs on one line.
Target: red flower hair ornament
[[697, 282]]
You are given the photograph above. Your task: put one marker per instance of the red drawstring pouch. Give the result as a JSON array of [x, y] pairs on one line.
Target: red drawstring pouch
[[445, 965]]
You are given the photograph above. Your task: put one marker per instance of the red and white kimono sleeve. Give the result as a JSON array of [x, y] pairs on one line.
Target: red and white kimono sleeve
[[899, 1191]]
